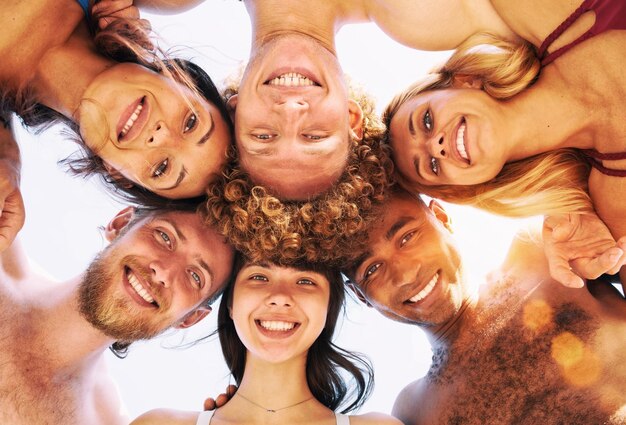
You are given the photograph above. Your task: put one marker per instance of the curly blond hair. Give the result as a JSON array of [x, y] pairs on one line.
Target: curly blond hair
[[329, 228], [550, 183]]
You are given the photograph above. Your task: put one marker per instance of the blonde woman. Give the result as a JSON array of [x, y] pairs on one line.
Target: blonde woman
[[481, 131]]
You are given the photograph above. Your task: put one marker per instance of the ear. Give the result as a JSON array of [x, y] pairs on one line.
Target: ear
[[194, 317], [464, 81], [120, 221], [232, 105], [356, 119], [441, 214], [355, 289], [117, 176]]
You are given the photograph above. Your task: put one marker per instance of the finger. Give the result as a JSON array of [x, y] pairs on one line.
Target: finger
[[561, 272], [619, 263], [231, 390], [209, 404], [221, 400], [591, 268], [12, 218], [108, 7]]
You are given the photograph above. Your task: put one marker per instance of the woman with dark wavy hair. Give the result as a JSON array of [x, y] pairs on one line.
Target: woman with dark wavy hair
[[276, 326], [153, 128]]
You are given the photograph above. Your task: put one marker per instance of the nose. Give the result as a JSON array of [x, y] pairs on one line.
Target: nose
[[405, 275], [162, 273], [158, 134], [291, 107], [279, 297], [435, 146]]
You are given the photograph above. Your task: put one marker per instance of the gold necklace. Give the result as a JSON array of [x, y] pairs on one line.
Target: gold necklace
[[271, 410]]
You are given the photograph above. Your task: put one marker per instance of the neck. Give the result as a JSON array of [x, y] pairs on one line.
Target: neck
[[69, 341], [444, 335], [547, 117], [320, 20], [65, 72], [274, 385]]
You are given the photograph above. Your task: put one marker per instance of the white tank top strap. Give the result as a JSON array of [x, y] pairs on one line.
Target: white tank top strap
[[342, 419], [204, 418]]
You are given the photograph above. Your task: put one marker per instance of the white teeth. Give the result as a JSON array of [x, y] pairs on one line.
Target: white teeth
[[131, 120], [136, 285], [427, 289], [276, 325], [291, 79], [460, 142]]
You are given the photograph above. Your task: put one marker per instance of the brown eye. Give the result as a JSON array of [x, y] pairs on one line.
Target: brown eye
[[434, 166], [191, 123], [161, 169], [427, 120]]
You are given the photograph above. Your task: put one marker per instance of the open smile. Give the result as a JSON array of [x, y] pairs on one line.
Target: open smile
[[277, 328], [291, 77], [460, 142], [425, 291], [138, 289], [133, 120]]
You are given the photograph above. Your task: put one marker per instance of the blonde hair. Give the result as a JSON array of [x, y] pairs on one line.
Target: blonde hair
[[550, 183]]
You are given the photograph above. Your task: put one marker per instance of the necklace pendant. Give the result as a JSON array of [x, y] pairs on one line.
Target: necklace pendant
[[271, 411]]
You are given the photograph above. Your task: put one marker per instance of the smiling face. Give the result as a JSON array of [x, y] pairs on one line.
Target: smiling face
[[293, 118], [451, 136], [279, 312], [154, 276], [153, 131], [412, 270]]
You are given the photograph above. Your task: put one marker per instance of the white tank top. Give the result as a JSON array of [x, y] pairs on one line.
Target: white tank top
[[205, 418]]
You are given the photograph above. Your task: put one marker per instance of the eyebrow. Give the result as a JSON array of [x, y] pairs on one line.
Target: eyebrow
[[400, 223], [208, 134], [181, 176], [411, 128]]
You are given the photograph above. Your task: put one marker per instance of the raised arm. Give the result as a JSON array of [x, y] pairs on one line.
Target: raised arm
[[161, 7]]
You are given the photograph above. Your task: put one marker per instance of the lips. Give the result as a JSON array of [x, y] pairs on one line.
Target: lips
[[139, 289], [426, 290], [275, 328], [289, 77], [460, 143], [133, 120]]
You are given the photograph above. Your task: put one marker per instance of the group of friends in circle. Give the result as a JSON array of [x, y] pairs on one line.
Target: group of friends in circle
[[285, 190]]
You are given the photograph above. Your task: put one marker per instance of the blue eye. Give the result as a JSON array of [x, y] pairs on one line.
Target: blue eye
[[197, 280], [191, 123], [434, 166], [165, 238], [427, 120]]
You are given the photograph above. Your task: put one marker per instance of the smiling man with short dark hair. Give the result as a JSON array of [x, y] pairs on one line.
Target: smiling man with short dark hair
[[523, 349]]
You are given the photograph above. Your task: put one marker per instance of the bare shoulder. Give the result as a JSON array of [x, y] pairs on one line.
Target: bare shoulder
[[436, 24], [374, 418], [408, 401], [166, 417]]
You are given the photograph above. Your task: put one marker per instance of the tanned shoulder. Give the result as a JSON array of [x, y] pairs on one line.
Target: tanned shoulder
[[166, 417], [374, 418], [408, 403]]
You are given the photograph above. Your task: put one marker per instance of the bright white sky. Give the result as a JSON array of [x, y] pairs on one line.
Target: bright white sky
[[63, 214]]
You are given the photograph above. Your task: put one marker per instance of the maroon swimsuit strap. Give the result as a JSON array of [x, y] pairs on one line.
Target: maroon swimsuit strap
[[543, 49], [595, 159]]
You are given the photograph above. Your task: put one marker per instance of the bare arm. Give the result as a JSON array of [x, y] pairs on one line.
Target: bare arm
[[436, 24], [166, 7]]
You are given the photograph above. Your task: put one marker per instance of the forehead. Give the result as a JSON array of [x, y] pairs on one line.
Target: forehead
[[398, 211]]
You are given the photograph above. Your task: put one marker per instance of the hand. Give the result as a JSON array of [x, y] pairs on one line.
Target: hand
[[107, 11], [581, 246], [220, 400], [12, 213]]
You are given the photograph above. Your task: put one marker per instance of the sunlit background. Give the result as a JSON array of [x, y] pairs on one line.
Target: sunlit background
[[61, 234]]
